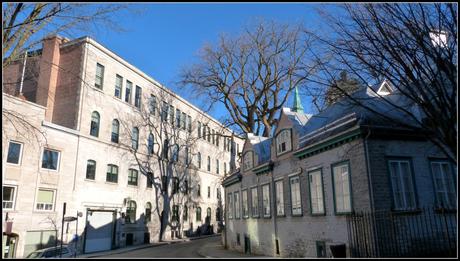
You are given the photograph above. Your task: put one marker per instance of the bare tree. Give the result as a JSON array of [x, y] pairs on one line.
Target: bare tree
[[412, 46], [168, 159], [252, 75]]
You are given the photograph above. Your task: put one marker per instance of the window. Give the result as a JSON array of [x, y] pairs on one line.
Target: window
[[341, 184], [217, 139], [175, 185], [198, 214], [199, 160], [237, 204], [171, 115], [217, 166], [115, 130], [296, 205], [255, 202], [218, 214], [198, 192], [209, 163], [185, 213], [444, 184], [148, 212], [137, 98], [177, 118], [175, 153], [208, 213], [225, 168], [209, 192], [218, 193], [230, 205], [8, 197], [50, 159], [402, 185], [189, 124], [132, 177], [14, 152], [187, 156], [118, 86], [316, 192], [91, 169], [99, 76], [150, 144], [135, 138], [209, 134], [94, 130], [165, 148], [204, 132], [213, 137], [131, 212], [129, 87], [45, 200], [266, 200], [279, 198], [244, 197], [152, 104], [248, 160], [175, 213], [283, 141], [112, 173], [185, 187], [164, 111], [182, 120], [199, 129], [149, 178]]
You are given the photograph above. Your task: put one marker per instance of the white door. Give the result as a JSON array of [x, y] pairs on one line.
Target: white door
[[99, 231]]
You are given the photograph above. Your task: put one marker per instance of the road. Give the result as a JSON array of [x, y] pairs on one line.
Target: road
[[183, 249]]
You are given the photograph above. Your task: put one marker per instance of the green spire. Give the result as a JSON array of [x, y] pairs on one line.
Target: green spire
[[297, 103]]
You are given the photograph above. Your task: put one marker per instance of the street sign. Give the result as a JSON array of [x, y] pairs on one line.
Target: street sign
[[70, 219]]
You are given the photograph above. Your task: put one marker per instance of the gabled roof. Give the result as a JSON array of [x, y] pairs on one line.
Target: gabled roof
[[261, 146], [298, 119]]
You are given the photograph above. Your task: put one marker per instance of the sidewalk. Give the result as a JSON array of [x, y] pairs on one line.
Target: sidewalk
[[216, 250], [131, 248]]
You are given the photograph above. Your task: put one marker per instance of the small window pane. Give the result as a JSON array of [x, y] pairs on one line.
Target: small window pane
[[118, 86], [8, 197], [14, 152], [50, 159], [94, 130], [129, 87], [91, 169], [137, 101]]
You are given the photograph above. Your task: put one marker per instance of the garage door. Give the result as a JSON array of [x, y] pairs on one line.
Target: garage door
[[39, 239], [99, 231]]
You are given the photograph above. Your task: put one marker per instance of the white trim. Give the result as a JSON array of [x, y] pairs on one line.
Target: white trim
[[382, 85]]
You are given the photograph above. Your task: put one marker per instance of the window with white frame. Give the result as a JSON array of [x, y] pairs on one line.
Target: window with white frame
[[237, 204], [341, 177], [132, 177], [152, 104], [279, 198], [402, 185], [255, 202], [296, 204], [50, 159], [316, 192], [266, 200], [244, 198], [118, 86], [230, 205], [248, 160], [99, 76], [444, 184], [283, 141], [45, 200], [9, 195], [137, 97], [129, 87], [14, 152]]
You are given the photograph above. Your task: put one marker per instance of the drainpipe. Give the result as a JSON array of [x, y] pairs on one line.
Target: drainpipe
[[275, 214]]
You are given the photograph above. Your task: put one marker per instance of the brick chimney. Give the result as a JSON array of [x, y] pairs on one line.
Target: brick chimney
[[48, 75]]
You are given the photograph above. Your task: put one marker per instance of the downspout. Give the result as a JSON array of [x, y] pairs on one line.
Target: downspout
[[274, 215], [371, 191]]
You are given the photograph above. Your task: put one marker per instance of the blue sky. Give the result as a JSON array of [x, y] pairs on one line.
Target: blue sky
[[163, 38]]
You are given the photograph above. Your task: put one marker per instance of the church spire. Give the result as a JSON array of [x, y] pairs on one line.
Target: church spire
[[297, 103]]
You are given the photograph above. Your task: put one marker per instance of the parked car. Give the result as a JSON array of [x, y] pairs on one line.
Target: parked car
[[52, 252]]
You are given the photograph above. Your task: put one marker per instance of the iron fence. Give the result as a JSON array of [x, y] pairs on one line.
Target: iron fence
[[426, 232]]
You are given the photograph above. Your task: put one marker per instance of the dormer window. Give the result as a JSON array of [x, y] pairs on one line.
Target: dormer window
[[283, 142], [384, 89], [248, 160]]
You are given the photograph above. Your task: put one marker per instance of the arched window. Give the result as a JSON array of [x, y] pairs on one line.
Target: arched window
[[95, 119], [208, 212], [131, 212], [218, 214], [115, 130], [217, 166], [198, 214], [91, 169], [148, 212], [283, 141], [199, 160], [150, 144], [209, 163], [135, 138]]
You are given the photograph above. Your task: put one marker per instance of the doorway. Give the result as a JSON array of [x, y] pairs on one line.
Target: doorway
[[247, 245]]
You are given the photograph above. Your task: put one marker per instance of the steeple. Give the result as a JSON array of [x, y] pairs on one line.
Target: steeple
[[297, 103]]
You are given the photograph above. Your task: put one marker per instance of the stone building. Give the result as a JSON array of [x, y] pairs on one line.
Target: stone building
[[295, 191], [79, 126]]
